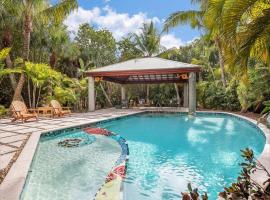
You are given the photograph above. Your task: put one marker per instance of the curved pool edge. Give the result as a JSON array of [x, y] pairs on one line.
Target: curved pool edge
[[13, 184], [259, 176]]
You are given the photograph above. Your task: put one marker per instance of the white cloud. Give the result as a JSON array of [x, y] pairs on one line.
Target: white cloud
[[81, 16], [192, 40], [120, 24], [170, 41]]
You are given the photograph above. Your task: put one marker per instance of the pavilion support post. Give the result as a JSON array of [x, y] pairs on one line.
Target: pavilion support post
[[192, 93], [185, 95], [91, 94], [123, 94]]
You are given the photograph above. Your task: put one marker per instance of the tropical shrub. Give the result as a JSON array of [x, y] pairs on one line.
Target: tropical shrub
[[65, 96], [212, 95], [163, 95], [3, 111], [254, 90], [266, 108]]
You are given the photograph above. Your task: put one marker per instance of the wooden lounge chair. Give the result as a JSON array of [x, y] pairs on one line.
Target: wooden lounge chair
[[21, 112], [58, 110]]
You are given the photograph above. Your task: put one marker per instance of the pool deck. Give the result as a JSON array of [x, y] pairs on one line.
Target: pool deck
[[18, 142]]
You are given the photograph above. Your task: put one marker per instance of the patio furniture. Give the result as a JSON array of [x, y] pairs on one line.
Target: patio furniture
[[21, 112], [58, 110], [124, 104], [45, 111]]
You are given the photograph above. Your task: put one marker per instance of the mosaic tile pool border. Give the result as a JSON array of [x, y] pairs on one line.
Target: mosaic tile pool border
[[118, 171]]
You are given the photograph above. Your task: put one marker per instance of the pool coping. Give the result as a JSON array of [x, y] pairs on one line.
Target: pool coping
[[13, 184]]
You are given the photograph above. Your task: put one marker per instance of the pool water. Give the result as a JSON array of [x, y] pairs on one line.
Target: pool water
[[167, 151], [65, 168]]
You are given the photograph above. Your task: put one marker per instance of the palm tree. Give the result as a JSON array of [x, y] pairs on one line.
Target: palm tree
[[199, 19], [148, 42], [8, 21], [31, 11], [213, 22], [248, 34]]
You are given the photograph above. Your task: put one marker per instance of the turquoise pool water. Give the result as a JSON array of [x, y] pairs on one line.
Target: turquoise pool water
[[65, 168], [167, 151]]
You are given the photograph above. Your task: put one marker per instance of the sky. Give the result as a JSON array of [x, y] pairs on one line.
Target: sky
[[124, 16]]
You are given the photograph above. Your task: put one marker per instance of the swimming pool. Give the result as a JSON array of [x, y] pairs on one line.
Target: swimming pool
[[66, 169], [167, 151]]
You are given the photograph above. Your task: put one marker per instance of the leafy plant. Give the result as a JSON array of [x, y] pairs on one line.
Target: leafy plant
[[193, 194], [3, 111], [245, 187], [266, 109]]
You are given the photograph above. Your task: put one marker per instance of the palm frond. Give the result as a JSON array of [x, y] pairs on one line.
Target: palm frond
[[213, 14], [58, 12], [232, 15], [192, 17], [255, 39]]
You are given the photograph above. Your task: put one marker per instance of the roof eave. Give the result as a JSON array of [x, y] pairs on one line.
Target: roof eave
[[143, 72]]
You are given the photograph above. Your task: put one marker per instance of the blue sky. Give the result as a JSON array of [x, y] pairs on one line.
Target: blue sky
[[124, 16]]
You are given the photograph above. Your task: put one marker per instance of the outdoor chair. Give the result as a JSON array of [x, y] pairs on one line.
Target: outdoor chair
[[21, 112], [125, 104], [58, 110]]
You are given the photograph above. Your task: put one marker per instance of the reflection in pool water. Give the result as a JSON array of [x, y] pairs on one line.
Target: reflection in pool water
[[167, 151]]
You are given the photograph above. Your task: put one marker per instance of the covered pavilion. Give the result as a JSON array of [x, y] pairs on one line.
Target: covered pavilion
[[150, 70]]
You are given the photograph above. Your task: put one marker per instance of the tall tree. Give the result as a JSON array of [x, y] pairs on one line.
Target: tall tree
[[148, 42], [97, 46], [128, 50], [8, 21], [196, 18], [213, 22], [32, 11], [98, 49]]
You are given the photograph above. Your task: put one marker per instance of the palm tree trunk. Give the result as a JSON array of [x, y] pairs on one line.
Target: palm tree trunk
[[11, 76], [26, 46], [177, 95], [38, 98], [53, 59], [29, 92], [106, 95], [34, 96], [212, 72], [221, 61], [7, 42]]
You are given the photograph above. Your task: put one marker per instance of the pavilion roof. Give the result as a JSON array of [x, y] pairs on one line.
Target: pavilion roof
[[144, 70]]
